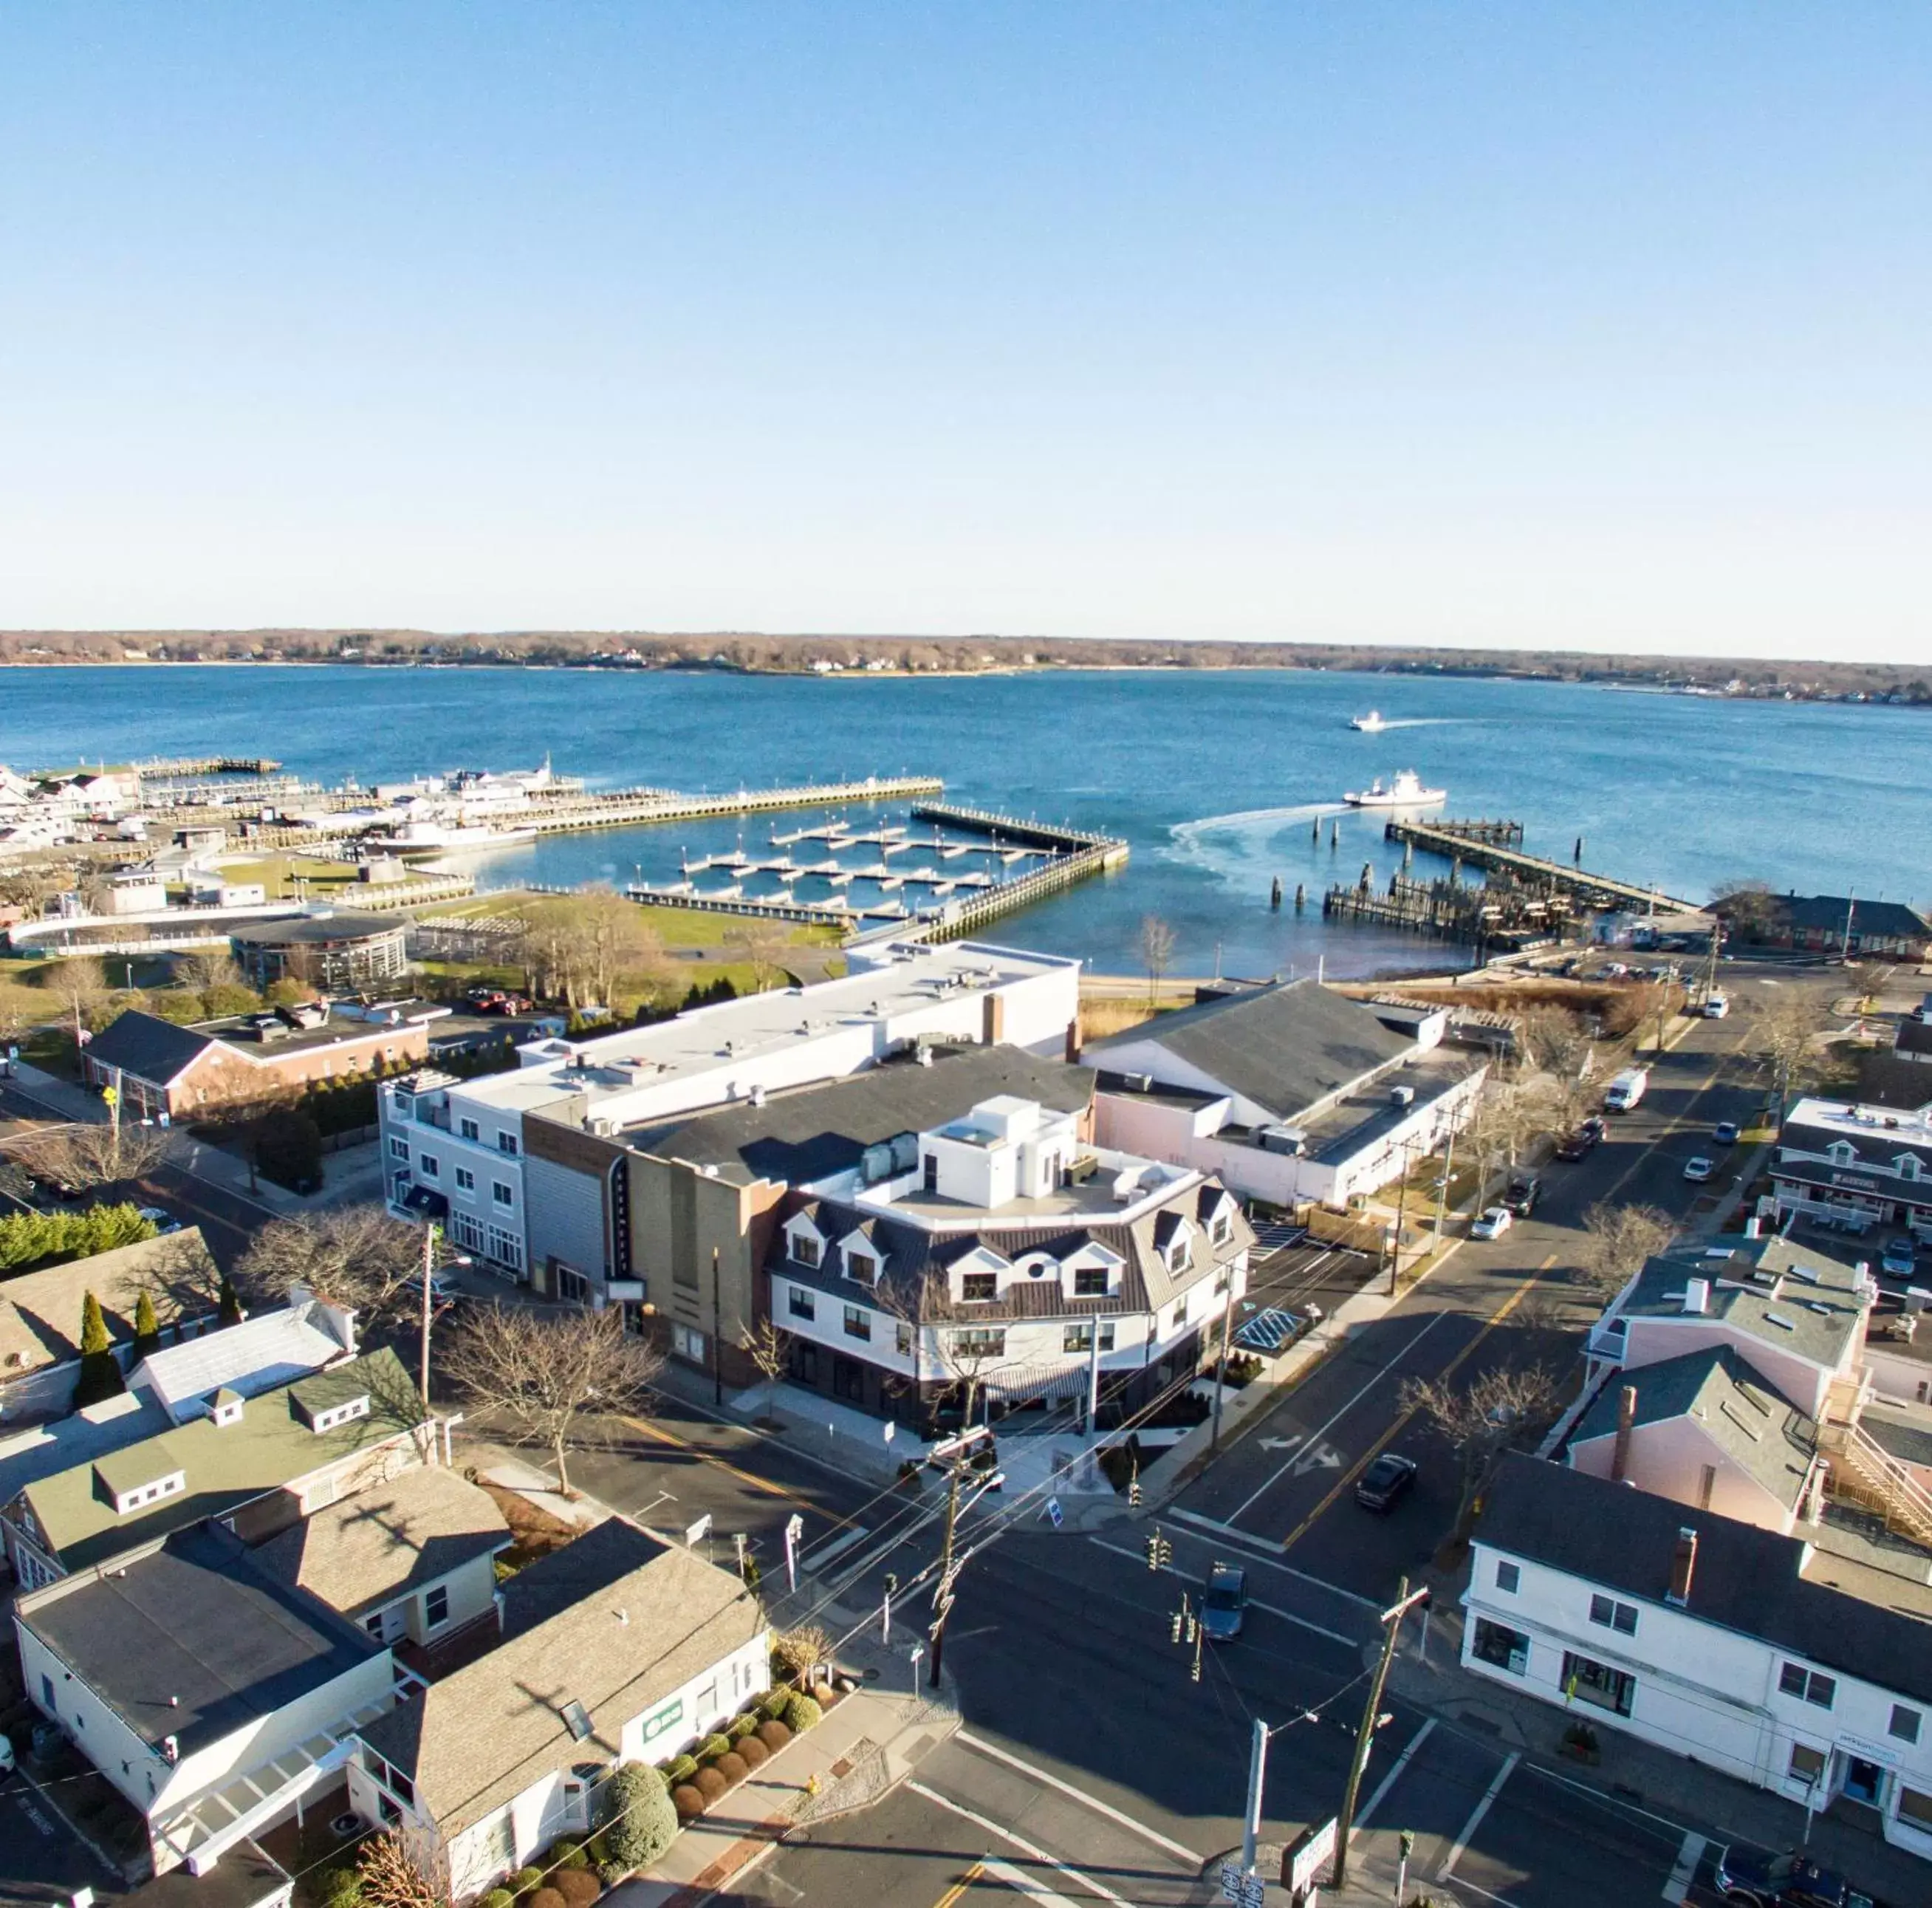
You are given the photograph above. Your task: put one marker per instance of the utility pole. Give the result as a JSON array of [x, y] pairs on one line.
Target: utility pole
[[1221, 1363], [1442, 1198], [431, 1233], [1845, 947], [957, 1453], [1391, 1622], [1251, 1824], [1401, 1208], [717, 1334]]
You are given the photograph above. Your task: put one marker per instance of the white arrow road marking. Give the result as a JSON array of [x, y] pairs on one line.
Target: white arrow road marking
[[1318, 1457], [1011, 1840], [1278, 1444]]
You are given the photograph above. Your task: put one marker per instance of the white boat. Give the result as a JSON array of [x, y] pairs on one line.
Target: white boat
[[436, 838], [1372, 723], [1406, 791]]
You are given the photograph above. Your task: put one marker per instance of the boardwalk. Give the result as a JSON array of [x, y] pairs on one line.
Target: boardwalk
[[1461, 845]]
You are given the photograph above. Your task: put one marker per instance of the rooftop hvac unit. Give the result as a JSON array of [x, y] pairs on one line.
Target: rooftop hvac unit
[[1401, 1096], [875, 1163], [905, 1152], [1291, 1140]]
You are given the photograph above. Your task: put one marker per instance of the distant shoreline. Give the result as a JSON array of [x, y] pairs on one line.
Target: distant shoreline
[[859, 659]]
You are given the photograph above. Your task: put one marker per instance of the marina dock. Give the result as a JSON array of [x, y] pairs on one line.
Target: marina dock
[[1482, 845]]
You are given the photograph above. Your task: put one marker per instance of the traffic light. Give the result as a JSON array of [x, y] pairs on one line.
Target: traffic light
[[1178, 1621], [1165, 1549], [1153, 1550], [1134, 1491]]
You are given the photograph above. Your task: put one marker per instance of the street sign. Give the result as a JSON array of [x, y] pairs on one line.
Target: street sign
[[695, 1534], [1054, 1511], [1302, 1859], [891, 1430], [1242, 1887], [109, 1097]]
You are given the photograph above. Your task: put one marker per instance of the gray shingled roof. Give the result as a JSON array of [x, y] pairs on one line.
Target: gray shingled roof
[[371, 1549], [1285, 1048], [822, 1129], [39, 1312], [593, 1626], [1767, 1437], [1770, 1289], [910, 1256], [1746, 1579], [149, 1048]]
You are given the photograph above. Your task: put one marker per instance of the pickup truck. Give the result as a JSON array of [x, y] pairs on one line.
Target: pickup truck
[[1748, 1879]]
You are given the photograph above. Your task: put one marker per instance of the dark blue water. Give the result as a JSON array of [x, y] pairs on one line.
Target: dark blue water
[[1215, 779]]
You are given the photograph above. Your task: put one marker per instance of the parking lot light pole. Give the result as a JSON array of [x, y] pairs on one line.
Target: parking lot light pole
[[1251, 1826]]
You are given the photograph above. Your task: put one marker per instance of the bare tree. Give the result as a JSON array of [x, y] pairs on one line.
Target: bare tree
[[1510, 1114], [1616, 1241], [1479, 1420], [1745, 906], [538, 1372], [85, 1156], [1156, 945], [768, 1345], [391, 1877], [761, 944], [614, 937], [354, 1256], [1783, 1036], [81, 988]]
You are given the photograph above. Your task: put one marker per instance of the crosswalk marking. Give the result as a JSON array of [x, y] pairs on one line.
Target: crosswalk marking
[[1685, 1872], [1388, 1781], [1007, 1836], [967, 1739], [1476, 1815]]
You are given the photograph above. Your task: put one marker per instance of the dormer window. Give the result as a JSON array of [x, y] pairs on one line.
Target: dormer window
[[141, 1496], [341, 1414], [978, 1288], [806, 1247], [861, 1267], [1841, 1153], [1223, 1228], [1091, 1282], [225, 1408], [1906, 1165]]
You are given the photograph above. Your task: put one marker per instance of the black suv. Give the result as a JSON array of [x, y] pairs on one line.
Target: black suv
[[1524, 1192], [1748, 1878], [1583, 1142]]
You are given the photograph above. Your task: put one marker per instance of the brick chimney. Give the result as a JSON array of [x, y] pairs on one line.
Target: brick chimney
[[1683, 1562], [1626, 1424]]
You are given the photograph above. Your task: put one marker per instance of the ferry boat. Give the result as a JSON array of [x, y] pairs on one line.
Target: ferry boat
[[1372, 723], [1406, 791]]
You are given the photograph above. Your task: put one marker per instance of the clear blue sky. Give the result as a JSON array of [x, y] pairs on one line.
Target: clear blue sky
[[1594, 325]]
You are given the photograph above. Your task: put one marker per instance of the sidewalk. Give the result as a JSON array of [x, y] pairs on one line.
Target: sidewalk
[[869, 1743], [1635, 1773], [354, 1173]]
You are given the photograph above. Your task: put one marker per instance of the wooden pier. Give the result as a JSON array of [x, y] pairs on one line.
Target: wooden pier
[[1502, 913], [206, 765], [1532, 872], [1496, 834]]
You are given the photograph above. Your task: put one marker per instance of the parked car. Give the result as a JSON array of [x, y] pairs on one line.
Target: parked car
[[1524, 1192], [1581, 1141], [1725, 1133], [1749, 1879], [1698, 1168], [6, 1758], [1716, 1006], [1226, 1604], [161, 1221], [1901, 1260], [441, 1291], [1492, 1225], [1380, 1486]]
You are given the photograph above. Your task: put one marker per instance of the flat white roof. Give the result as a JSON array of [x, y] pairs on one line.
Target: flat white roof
[[907, 976], [1858, 1121]]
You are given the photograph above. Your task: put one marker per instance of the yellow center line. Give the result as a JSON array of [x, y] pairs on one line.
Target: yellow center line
[[725, 1464], [960, 1887], [1449, 1370]]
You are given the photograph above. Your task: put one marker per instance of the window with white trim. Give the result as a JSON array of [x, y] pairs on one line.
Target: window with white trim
[[469, 1129], [465, 1180], [341, 1414], [863, 1267], [399, 1149], [505, 1248], [1613, 1614], [800, 1303], [507, 1143], [1811, 1686], [1509, 1576], [805, 1248], [436, 1606], [502, 1193], [429, 1165]]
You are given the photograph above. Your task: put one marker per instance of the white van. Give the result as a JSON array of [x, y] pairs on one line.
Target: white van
[[1715, 1006], [1626, 1090]]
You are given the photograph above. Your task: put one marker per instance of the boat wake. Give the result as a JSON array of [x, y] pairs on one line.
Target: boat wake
[[1237, 848], [1418, 722]]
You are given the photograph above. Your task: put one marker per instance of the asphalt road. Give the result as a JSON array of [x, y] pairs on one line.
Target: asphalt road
[[40, 1862], [1285, 1488]]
